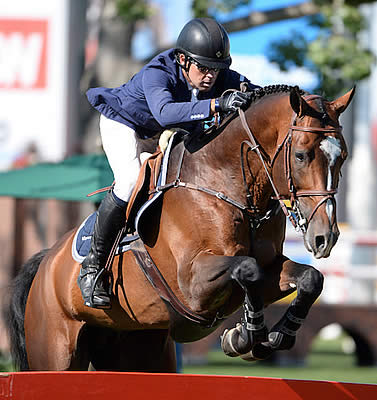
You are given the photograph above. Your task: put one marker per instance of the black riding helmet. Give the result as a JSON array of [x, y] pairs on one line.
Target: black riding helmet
[[205, 41]]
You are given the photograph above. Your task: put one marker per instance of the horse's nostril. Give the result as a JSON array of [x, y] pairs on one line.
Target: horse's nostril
[[319, 241]]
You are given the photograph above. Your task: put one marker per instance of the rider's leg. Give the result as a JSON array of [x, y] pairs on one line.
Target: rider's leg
[[120, 145], [111, 217]]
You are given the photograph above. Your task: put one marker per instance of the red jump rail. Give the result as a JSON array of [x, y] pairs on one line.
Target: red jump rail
[[139, 386]]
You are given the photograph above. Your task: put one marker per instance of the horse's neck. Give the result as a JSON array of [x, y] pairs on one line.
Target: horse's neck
[[217, 165], [269, 118]]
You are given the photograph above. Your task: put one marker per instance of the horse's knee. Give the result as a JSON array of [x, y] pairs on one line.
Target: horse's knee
[[247, 272], [311, 282]]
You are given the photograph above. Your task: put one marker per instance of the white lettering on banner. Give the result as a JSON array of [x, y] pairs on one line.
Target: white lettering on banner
[[20, 58], [23, 54]]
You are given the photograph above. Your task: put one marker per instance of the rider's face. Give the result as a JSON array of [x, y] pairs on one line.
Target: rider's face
[[199, 76]]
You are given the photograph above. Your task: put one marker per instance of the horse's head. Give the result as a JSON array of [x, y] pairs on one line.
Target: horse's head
[[315, 150]]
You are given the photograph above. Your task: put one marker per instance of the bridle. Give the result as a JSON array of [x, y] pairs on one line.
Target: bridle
[[297, 219]]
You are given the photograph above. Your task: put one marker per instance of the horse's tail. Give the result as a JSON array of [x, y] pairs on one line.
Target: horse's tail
[[15, 310]]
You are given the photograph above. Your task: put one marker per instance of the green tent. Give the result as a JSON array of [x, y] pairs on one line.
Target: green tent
[[72, 179]]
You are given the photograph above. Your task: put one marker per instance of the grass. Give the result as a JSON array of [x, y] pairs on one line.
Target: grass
[[5, 363], [327, 361]]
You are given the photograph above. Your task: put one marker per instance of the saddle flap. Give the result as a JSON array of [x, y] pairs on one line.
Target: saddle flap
[[144, 209], [146, 183]]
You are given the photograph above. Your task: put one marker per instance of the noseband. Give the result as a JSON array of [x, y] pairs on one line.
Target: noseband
[[299, 222]]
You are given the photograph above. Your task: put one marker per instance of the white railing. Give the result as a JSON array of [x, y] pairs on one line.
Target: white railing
[[351, 269]]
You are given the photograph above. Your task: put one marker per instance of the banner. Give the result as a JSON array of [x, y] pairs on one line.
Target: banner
[[34, 79], [23, 51]]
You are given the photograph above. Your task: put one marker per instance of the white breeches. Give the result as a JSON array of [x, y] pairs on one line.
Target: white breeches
[[120, 145]]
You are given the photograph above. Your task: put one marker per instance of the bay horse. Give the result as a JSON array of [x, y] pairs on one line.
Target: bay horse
[[217, 240]]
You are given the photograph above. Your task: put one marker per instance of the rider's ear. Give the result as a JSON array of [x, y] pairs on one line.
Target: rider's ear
[[299, 105], [340, 104], [182, 59]]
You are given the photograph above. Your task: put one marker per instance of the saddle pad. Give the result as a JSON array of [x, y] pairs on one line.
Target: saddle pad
[[81, 241]]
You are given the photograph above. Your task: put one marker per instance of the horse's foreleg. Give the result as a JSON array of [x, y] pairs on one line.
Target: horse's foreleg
[[213, 280], [252, 330], [309, 283]]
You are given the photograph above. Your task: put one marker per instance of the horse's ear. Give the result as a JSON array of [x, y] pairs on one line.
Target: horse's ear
[[340, 104], [299, 105]]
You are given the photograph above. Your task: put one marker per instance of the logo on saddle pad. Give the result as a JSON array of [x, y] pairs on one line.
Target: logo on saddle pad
[[83, 236]]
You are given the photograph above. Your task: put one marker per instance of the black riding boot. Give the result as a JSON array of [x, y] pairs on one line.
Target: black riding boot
[[92, 280]]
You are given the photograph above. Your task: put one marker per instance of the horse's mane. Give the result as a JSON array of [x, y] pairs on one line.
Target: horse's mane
[[258, 93], [194, 142]]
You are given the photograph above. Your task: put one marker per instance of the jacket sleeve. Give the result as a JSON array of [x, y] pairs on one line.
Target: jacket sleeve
[[158, 88]]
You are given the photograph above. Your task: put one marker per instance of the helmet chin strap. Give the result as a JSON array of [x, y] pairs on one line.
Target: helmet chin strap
[[188, 61], [186, 67], [186, 74]]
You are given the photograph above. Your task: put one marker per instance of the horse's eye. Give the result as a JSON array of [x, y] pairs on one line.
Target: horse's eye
[[300, 156]]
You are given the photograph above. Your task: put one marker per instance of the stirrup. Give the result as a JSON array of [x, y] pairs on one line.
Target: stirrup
[[91, 302], [100, 300]]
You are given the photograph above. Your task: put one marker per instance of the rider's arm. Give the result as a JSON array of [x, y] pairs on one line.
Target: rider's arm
[[159, 89]]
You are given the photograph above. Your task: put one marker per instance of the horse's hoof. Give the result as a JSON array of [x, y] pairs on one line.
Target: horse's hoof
[[259, 352], [226, 344], [249, 357], [281, 341], [233, 343]]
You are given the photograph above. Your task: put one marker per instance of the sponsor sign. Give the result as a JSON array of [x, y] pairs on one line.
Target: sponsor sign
[[34, 79], [23, 54]]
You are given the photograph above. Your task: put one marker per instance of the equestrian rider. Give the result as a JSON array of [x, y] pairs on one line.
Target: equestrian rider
[[180, 87]]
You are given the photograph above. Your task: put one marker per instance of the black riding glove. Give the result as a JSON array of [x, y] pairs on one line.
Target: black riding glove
[[231, 101]]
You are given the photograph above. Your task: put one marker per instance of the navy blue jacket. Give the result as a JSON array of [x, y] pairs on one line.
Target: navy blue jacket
[[159, 96]]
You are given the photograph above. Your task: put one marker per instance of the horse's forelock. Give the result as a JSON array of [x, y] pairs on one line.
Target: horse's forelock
[[320, 102]]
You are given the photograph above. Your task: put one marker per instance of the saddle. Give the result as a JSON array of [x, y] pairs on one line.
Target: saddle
[[153, 173], [145, 185], [144, 199]]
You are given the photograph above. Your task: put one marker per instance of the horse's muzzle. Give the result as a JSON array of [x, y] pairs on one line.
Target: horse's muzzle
[[321, 241]]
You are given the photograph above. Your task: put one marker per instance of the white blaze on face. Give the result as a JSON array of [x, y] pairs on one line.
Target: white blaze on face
[[332, 149]]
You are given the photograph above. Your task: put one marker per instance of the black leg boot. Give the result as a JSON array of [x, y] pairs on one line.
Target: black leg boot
[[92, 280]]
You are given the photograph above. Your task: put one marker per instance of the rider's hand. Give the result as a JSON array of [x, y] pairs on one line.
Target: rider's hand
[[232, 100]]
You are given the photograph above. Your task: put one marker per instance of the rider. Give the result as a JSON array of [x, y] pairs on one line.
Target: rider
[[181, 87]]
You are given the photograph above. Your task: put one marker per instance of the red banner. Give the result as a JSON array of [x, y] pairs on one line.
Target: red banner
[[23, 53]]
